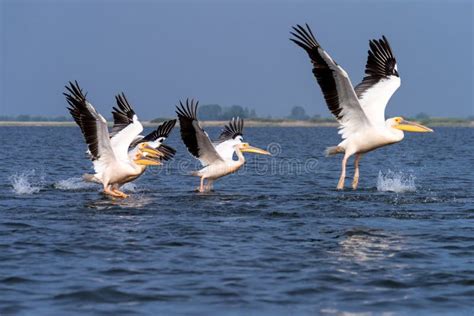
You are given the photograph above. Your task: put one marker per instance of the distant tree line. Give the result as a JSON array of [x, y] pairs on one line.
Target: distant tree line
[[215, 112], [34, 118], [298, 113]]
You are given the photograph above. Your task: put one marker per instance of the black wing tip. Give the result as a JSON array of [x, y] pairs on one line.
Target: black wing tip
[[74, 92], [188, 109], [124, 105], [83, 116], [231, 130], [123, 114], [167, 151], [164, 129], [304, 37], [299, 27], [381, 63], [187, 116], [381, 46]]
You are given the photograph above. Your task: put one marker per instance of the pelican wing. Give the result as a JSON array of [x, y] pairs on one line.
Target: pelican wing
[[225, 143], [122, 114], [93, 127], [157, 137], [194, 137], [335, 84], [161, 132], [233, 129], [122, 139], [381, 81]]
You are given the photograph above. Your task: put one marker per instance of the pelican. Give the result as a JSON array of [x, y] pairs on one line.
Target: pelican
[[215, 157], [113, 165], [123, 115], [360, 111]]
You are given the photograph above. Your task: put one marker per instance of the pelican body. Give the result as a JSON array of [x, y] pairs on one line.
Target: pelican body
[[113, 165], [360, 111], [216, 157]]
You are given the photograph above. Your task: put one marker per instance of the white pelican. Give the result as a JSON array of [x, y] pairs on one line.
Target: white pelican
[[360, 111], [217, 157], [112, 164], [123, 115]]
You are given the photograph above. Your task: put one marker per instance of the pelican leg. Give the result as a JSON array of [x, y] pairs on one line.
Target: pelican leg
[[208, 187], [355, 182], [120, 193], [115, 188], [340, 184], [108, 191], [201, 187]]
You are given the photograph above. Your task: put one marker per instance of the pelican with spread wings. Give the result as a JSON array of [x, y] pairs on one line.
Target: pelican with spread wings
[[216, 157], [360, 111], [113, 164], [123, 115]]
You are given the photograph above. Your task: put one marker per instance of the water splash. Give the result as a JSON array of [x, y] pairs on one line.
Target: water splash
[[78, 183], [132, 187], [395, 182], [27, 182], [74, 184]]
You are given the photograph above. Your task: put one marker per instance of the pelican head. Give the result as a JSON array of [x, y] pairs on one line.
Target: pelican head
[[246, 148], [145, 159], [149, 150], [404, 125]]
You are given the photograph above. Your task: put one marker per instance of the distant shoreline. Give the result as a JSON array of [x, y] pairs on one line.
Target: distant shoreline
[[248, 123]]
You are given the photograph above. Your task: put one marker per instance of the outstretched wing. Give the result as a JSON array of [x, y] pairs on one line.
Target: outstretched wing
[[156, 139], [167, 151], [122, 138], [234, 128], [194, 137], [93, 126], [227, 139], [161, 132], [122, 114], [381, 81], [335, 84]]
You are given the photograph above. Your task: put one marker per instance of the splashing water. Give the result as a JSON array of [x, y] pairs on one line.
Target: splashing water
[[27, 182], [395, 182], [75, 183], [132, 187]]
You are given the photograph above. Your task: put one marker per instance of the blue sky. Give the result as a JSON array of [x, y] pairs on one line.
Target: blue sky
[[227, 52]]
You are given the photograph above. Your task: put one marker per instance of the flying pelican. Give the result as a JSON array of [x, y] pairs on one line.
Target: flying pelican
[[217, 157], [112, 164], [360, 111]]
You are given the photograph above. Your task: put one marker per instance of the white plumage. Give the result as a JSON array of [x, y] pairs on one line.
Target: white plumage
[[360, 111], [113, 165], [216, 158]]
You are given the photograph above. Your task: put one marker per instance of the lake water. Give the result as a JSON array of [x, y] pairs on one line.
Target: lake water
[[275, 238]]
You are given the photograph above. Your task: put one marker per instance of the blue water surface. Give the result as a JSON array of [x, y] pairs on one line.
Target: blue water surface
[[274, 239]]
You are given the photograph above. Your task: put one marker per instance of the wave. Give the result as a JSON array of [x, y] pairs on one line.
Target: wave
[[74, 184], [78, 183], [395, 182], [27, 182]]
